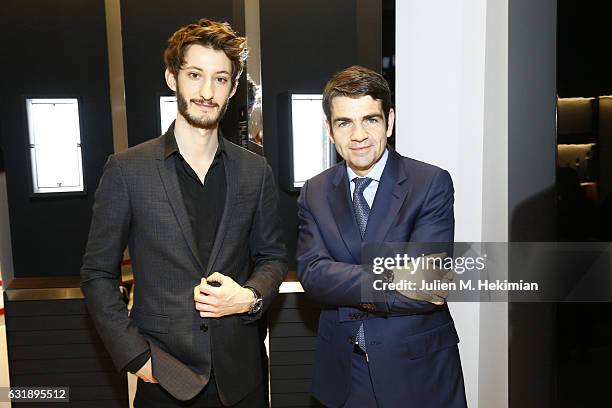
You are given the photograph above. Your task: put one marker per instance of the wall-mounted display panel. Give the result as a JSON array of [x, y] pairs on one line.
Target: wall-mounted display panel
[[311, 150], [55, 145], [167, 112]]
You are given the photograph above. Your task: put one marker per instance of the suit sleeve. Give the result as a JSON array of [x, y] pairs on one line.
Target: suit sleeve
[[101, 271], [435, 223], [266, 245], [436, 220], [324, 279]]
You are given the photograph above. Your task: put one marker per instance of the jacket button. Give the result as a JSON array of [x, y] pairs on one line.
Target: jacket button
[[351, 339], [204, 327]]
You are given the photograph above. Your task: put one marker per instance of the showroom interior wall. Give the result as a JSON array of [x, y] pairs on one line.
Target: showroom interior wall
[[532, 91], [302, 46], [493, 334], [294, 57], [6, 254], [67, 47], [451, 73], [112, 9], [454, 61], [52, 49]]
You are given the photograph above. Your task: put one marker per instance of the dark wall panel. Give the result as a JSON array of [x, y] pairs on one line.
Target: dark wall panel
[[53, 343], [294, 320], [531, 184], [52, 48], [146, 26], [302, 46], [583, 55]]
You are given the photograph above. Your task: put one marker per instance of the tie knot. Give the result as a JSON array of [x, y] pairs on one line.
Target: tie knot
[[361, 183]]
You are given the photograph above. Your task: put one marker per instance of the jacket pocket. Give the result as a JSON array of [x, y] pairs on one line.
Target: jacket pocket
[[150, 322], [431, 341], [324, 331]]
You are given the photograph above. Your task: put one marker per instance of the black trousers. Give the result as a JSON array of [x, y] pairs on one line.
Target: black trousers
[[150, 395]]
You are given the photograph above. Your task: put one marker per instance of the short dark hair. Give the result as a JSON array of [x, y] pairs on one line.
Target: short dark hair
[[355, 82], [208, 33]]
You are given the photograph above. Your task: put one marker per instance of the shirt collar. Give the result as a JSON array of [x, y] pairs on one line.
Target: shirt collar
[[171, 147], [376, 171]]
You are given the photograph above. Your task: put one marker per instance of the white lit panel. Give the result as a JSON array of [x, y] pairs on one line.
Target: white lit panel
[[55, 145], [312, 150], [167, 111]]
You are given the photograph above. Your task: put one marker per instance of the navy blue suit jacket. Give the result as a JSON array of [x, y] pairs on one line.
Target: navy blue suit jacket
[[412, 345]]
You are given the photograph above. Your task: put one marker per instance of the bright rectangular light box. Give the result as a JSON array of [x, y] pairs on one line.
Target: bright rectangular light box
[[55, 145], [167, 111], [311, 149]]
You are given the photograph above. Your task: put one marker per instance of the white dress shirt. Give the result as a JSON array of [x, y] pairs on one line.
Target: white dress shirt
[[370, 192]]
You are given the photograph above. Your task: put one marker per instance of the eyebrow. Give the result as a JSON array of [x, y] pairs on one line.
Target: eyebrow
[[201, 70], [366, 117], [341, 119], [192, 67]]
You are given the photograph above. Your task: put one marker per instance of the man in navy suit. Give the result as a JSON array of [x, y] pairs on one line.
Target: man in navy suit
[[395, 351]]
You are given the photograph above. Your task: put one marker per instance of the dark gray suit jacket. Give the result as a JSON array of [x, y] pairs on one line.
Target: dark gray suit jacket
[[139, 203]]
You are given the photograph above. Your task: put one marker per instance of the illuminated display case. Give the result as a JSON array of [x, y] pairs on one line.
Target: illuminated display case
[[306, 148], [167, 112], [56, 157]]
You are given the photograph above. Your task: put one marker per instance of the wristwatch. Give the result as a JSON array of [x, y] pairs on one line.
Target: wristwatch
[[257, 303], [388, 276]]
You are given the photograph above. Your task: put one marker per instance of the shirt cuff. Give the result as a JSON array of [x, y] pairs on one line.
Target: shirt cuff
[[137, 363]]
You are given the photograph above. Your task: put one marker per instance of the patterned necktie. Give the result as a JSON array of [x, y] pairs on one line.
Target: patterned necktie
[[362, 212], [362, 209]]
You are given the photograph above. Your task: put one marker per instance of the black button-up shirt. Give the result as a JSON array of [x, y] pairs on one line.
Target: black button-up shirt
[[205, 201]]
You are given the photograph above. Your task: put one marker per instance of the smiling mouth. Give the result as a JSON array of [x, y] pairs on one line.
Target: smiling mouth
[[202, 104], [360, 148]]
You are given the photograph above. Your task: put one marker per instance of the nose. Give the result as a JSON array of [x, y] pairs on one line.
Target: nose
[[359, 134], [207, 90]]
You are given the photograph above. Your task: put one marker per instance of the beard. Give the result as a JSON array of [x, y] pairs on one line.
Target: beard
[[208, 122]]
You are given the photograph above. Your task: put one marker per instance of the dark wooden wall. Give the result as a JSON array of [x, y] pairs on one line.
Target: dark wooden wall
[[54, 343], [294, 321]]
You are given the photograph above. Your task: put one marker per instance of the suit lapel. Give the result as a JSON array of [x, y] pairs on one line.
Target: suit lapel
[[231, 173], [392, 191], [167, 172], [341, 205]]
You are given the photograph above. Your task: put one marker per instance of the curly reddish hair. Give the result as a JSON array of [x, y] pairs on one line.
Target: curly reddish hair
[[216, 35]]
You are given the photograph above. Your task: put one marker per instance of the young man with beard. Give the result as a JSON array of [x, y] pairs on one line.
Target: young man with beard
[[200, 217]]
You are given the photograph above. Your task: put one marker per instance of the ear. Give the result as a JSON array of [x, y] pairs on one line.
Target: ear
[[170, 79], [234, 88], [330, 135], [391, 122]]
